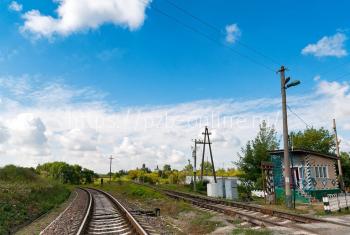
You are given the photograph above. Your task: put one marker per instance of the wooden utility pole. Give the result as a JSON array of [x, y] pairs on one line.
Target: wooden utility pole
[[285, 139], [337, 142], [110, 168], [206, 135]]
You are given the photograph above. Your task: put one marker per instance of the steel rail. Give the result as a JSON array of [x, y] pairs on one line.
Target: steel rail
[[304, 219], [260, 221], [135, 225], [273, 212], [88, 212]]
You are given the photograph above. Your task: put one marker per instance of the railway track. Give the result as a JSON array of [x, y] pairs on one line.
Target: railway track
[[106, 215], [253, 214]]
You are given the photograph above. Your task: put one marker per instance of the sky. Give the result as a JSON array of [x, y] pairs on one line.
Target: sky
[[81, 80]]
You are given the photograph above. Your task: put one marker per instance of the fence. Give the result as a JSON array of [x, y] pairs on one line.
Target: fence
[[336, 202]]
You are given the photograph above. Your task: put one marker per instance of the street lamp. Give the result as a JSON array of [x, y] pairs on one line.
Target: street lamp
[[285, 84]]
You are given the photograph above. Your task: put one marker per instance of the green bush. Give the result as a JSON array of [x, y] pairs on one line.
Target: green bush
[[24, 195], [11, 173]]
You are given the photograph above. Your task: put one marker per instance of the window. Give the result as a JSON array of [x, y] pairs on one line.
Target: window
[[321, 172], [317, 172], [325, 172]]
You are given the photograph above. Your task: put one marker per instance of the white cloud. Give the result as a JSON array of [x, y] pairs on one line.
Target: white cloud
[[80, 127], [232, 33], [106, 55], [15, 6], [317, 78], [78, 15], [328, 46]]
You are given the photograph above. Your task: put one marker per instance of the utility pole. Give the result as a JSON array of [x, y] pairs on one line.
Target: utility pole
[[284, 87], [194, 155], [110, 168], [207, 134], [337, 142]]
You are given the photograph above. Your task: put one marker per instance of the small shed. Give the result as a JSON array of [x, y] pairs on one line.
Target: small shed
[[313, 174]]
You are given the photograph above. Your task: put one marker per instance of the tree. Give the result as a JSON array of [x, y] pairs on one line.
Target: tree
[[207, 168], [166, 171], [345, 163], [61, 171], [319, 140], [189, 169], [87, 176], [255, 152], [166, 167]]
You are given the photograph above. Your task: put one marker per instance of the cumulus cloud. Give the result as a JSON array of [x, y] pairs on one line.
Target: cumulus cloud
[[232, 33], [15, 6], [79, 140], [26, 136], [84, 130], [78, 15], [328, 46]]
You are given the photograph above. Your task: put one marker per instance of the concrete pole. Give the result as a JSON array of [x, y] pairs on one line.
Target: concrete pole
[[288, 192], [338, 155], [194, 154], [110, 169]]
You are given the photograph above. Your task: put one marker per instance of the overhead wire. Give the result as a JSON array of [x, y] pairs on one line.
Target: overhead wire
[[199, 32], [217, 29], [301, 119]]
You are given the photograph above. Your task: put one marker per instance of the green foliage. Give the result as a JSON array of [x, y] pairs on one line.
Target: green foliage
[[12, 173], [207, 168], [230, 172], [255, 152], [134, 191], [319, 140], [24, 195], [249, 231], [345, 163], [65, 173], [205, 222], [143, 176], [245, 190]]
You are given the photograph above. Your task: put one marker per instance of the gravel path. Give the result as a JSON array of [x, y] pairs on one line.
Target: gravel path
[[69, 220]]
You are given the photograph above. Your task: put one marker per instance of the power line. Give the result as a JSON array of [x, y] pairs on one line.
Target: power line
[[217, 29], [302, 120], [195, 30]]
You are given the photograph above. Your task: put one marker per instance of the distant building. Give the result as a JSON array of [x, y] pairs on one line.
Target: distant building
[[313, 174]]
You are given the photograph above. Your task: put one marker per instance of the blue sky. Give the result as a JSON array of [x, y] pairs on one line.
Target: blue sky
[[163, 62], [142, 59]]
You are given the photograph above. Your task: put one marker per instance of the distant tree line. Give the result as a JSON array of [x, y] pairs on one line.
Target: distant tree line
[[66, 173], [167, 175], [12, 173]]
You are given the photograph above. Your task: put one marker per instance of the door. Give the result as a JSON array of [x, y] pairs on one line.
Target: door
[[295, 175]]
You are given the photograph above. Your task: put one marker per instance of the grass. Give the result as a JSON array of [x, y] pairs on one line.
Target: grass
[[337, 213], [249, 231], [202, 224], [190, 219], [24, 196], [130, 190]]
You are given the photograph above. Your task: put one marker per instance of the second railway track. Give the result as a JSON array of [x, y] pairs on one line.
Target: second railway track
[[253, 214], [106, 215]]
